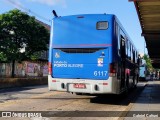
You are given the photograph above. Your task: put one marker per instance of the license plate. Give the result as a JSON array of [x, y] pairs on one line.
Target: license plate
[[79, 85]]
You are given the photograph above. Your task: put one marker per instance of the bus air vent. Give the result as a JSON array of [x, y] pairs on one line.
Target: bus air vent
[[75, 50]]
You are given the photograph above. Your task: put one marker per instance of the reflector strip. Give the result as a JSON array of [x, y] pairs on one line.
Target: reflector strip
[[49, 68]]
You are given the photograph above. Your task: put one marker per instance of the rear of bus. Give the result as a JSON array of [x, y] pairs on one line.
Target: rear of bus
[[80, 54]]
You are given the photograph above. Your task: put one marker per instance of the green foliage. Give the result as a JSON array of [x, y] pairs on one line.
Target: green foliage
[[2, 57], [35, 56], [148, 62], [19, 30]]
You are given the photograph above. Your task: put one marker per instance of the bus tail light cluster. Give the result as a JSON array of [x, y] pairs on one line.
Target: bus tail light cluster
[[112, 72], [105, 83], [54, 81], [49, 68]]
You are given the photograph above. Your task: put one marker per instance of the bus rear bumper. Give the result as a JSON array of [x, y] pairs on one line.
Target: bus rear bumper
[[109, 86]]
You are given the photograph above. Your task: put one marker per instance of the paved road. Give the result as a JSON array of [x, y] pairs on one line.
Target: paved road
[[38, 98]]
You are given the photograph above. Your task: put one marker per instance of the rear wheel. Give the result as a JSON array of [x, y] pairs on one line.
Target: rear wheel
[[126, 86], [136, 81], [127, 82]]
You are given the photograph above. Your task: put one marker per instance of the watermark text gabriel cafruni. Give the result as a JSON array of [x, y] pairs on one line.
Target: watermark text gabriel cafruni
[[145, 115]]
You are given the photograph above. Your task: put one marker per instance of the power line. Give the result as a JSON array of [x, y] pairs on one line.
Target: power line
[[28, 10]]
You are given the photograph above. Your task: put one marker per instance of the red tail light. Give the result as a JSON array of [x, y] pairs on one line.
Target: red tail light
[[53, 80], [49, 68], [105, 83], [112, 70]]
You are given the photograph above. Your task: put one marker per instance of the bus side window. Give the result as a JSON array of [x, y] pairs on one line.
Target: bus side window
[[131, 58], [118, 38], [127, 48], [129, 51], [139, 60], [133, 55], [123, 47], [137, 57]]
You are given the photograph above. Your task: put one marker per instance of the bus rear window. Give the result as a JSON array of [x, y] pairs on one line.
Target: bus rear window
[[102, 25]]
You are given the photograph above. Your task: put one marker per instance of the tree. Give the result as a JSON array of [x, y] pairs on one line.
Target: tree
[[20, 31], [148, 62]]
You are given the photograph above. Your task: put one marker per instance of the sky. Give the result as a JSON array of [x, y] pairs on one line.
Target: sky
[[42, 10]]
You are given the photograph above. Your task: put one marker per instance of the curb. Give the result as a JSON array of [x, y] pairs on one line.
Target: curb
[[21, 82]]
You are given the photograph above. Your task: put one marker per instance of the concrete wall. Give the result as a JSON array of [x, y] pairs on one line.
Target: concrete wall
[[24, 69]]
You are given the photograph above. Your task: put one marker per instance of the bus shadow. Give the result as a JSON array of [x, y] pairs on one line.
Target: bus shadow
[[109, 99], [118, 99], [150, 94], [20, 89]]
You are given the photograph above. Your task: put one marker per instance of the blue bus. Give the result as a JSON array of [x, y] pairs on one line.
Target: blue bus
[[91, 53], [143, 71]]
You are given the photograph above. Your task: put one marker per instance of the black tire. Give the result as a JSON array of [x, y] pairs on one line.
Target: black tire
[[135, 82], [125, 93]]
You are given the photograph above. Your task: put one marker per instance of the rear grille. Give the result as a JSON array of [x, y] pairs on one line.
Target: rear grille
[[80, 50]]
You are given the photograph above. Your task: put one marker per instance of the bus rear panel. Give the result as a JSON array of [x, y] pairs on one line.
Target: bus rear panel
[[83, 54]]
